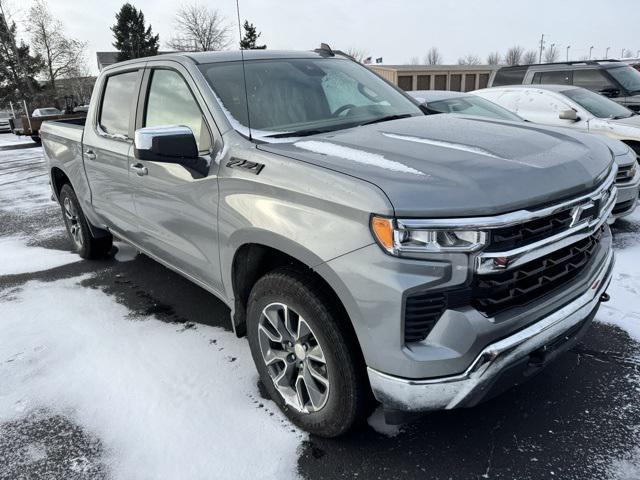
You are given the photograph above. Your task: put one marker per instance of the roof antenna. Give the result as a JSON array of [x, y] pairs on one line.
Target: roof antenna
[[327, 49], [244, 73]]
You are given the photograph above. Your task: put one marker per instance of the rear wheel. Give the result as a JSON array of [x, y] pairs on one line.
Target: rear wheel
[[305, 354], [84, 243], [36, 139]]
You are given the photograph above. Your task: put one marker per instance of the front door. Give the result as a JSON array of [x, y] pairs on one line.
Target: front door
[[177, 207]]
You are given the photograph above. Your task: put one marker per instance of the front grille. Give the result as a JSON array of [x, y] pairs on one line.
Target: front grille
[[495, 293], [625, 174], [522, 234], [623, 207]]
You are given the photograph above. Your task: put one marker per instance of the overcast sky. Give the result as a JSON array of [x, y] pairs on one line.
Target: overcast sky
[[394, 30]]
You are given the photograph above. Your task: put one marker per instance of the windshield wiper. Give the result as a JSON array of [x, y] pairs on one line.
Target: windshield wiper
[[387, 118], [302, 133]]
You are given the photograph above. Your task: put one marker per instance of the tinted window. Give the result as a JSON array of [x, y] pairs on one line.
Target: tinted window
[[558, 77], [119, 96], [596, 104], [509, 76], [473, 105], [289, 95], [591, 79], [170, 102], [628, 77]]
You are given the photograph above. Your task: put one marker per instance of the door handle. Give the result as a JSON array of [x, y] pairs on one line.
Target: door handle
[[90, 155], [140, 169]]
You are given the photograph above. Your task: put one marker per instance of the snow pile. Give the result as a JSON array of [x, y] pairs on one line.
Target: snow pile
[[354, 155], [125, 252], [166, 402], [16, 257], [378, 423]]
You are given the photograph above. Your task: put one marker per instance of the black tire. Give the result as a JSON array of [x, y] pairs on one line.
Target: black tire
[[84, 243], [349, 398], [37, 140]]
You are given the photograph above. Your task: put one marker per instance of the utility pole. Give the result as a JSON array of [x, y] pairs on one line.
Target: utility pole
[[568, 47], [606, 53], [622, 53], [590, 50], [541, 47]]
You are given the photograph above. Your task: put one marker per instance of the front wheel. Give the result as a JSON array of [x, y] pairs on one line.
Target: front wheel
[[84, 243], [305, 354]]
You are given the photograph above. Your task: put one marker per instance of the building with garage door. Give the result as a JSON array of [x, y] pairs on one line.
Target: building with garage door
[[458, 78]]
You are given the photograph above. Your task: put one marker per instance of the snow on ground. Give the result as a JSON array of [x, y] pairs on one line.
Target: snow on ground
[[17, 257], [624, 308], [166, 402], [24, 183]]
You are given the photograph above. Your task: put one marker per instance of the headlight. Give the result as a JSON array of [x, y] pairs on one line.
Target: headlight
[[398, 239]]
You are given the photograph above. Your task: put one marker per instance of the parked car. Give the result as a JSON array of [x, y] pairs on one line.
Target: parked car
[[4, 121], [360, 245], [45, 112], [81, 109], [444, 101], [628, 180], [611, 78]]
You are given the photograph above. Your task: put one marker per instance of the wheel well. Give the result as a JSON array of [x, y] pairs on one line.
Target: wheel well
[[59, 178], [251, 262]]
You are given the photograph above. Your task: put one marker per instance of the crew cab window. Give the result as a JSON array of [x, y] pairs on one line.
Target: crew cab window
[[170, 102], [558, 77], [591, 80], [119, 96]]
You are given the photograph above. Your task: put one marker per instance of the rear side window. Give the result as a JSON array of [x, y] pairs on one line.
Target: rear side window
[[117, 102], [558, 77], [509, 76], [591, 79]]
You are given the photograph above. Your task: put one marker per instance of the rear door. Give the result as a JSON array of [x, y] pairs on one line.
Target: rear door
[[108, 146], [177, 207]]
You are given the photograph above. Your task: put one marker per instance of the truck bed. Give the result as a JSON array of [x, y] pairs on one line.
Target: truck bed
[[69, 129]]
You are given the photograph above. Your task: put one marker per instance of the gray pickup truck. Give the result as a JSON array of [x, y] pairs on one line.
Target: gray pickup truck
[[365, 249]]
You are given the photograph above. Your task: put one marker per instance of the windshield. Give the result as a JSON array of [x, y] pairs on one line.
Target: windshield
[[628, 77], [596, 104], [473, 105], [304, 95]]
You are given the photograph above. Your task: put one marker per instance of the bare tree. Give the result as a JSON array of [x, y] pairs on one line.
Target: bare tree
[[494, 58], [60, 53], [414, 61], [550, 54], [514, 55], [433, 57], [358, 54], [469, 59], [530, 56], [199, 29]]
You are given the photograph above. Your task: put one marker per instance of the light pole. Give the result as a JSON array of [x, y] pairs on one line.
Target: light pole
[[590, 50], [541, 47], [568, 47], [606, 53]]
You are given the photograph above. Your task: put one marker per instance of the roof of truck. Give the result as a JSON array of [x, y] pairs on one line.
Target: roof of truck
[[536, 86]]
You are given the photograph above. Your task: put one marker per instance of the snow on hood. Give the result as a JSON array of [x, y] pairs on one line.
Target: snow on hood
[[445, 165], [163, 401]]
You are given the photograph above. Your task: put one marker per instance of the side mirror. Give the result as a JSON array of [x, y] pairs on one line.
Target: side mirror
[[569, 115], [610, 92], [170, 144]]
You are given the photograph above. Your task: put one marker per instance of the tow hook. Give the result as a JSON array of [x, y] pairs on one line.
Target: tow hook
[[605, 297]]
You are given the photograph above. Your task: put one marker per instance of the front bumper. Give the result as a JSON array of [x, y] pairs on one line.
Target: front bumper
[[544, 340]]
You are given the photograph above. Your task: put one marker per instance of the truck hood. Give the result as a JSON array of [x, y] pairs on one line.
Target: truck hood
[[448, 165]]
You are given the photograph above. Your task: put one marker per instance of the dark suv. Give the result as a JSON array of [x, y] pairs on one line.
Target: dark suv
[[614, 79]]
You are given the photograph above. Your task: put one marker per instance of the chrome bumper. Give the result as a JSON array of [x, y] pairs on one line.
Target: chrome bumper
[[450, 392]]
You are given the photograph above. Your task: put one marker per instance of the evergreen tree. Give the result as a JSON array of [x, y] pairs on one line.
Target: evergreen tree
[[18, 68], [250, 38], [133, 40]]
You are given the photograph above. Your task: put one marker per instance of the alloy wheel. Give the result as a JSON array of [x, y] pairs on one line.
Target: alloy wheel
[[294, 358], [72, 220]]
